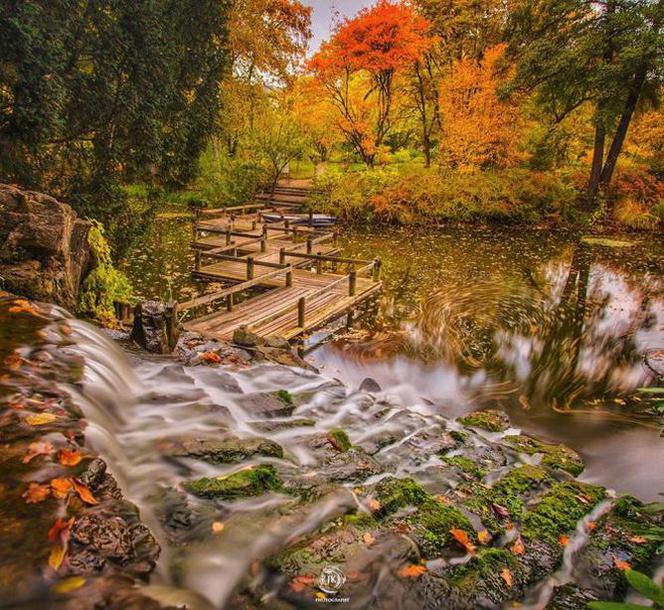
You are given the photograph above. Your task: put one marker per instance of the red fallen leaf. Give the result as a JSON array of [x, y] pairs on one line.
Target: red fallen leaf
[[300, 583], [518, 548], [211, 357], [564, 540], [412, 571], [59, 534], [61, 487], [462, 538], [37, 448], [506, 575], [621, 565], [69, 457], [501, 511], [83, 492], [36, 493]]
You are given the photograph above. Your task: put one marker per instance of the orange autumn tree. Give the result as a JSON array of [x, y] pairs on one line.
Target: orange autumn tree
[[479, 128], [358, 66]]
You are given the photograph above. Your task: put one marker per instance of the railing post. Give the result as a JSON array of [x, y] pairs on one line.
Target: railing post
[[197, 260], [282, 256], [228, 235], [376, 269], [253, 225], [289, 276], [352, 281], [319, 264], [263, 245], [301, 305], [250, 268], [309, 245], [311, 218], [229, 302]]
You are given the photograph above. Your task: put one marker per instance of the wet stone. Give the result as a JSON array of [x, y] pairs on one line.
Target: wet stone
[[272, 425], [557, 457], [369, 385], [490, 420], [252, 481], [353, 465], [570, 597], [227, 450], [265, 405]]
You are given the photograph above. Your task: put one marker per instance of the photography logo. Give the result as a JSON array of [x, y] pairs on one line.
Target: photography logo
[[331, 581]]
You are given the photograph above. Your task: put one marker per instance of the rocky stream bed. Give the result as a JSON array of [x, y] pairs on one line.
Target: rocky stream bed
[[283, 489]]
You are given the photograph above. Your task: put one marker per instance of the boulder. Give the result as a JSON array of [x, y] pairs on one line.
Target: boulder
[[44, 250], [155, 326]]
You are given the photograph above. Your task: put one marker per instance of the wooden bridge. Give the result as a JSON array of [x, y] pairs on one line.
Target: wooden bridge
[[305, 282]]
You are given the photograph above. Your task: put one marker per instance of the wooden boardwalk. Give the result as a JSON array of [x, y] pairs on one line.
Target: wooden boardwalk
[[305, 283]]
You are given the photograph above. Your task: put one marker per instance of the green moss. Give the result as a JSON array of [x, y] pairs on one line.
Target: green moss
[[395, 494], [486, 563], [466, 465], [557, 457], [361, 521], [432, 524], [560, 509], [247, 482], [339, 439], [459, 436], [509, 492], [488, 419], [286, 397]]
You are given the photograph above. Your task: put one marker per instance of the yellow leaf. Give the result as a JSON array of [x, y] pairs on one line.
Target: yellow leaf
[[56, 557], [506, 575], [40, 419], [83, 492], [68, 585], [69, 457], [484, 537], [61, 487]]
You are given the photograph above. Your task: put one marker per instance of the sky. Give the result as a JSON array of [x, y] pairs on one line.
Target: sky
[[324, 16]]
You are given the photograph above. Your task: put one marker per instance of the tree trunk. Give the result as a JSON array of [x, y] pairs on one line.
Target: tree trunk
[[596, 169], [621, 131]]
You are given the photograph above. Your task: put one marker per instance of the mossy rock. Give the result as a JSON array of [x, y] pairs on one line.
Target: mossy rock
[[491, 420], [396, 494], [248, 482], [465, 465], [339, 439], [286, 397], [228, 450], [557, 457], [511, 492], [559, 510]]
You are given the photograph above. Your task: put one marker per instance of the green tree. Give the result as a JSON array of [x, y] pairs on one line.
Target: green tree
[[607, 54], [95, 92]]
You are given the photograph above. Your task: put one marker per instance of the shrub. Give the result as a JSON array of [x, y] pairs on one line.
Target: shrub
[[639, 198], [105, 284]]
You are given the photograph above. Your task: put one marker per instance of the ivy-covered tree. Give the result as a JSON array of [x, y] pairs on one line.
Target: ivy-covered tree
[[606, 53], [95, 92]]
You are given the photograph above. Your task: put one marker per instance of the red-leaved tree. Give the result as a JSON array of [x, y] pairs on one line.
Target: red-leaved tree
[[358, 66]]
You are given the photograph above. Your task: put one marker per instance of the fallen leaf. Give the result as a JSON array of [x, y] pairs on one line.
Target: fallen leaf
[[36, 493], [83, 492], [57, 556], [368, 539], [61, 487], [638, 539], [443, 500], [37, 448], [69, 457], [484, 537], [13, 362], [462, 538], [68, 585], [59, 534], [412, 571], [300, 583], [518, 548], [211, 357], [40, 419], [621, 565], [523, 401], [22, 306], [564, 540], [373, 504], [506, 575], [591, 525], [217, 527]]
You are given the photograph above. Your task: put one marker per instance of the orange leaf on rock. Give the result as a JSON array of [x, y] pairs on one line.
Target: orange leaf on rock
[[564, 540], [59, 534], [61, 487], [462, 538], [638, 539], [506, 575], [412, 571], [300, 583], [36, 493], [368, 539], [484, 537], [373, 504], [37, 448], [217, 527], [69, 457], [591, 525], [621, 565], [39, 419], [83, 492], [211, 357], [517, 547], [22, 306]]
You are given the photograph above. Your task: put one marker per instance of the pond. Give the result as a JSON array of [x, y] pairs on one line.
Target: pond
[[557, 330]]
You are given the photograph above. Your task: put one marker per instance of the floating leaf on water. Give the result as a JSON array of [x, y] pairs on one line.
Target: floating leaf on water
[[37, 448], [36, 493], [607, 242], [39, 419]]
